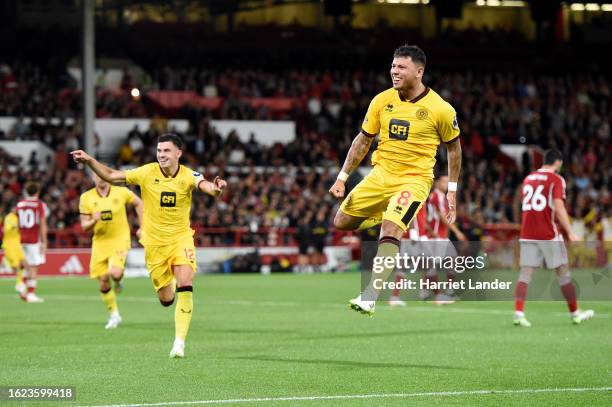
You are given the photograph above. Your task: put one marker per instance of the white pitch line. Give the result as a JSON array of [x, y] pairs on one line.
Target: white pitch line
[[264, 303], [365, 396]]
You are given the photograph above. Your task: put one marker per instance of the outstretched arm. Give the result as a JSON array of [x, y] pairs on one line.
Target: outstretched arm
[[214, 188], [454, 169], [106, 173], [359, 149]]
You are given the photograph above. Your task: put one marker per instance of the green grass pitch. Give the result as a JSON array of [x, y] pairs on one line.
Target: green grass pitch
[[291, 340]]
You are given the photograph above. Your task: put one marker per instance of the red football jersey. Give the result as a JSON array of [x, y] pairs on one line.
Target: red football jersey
[[30, 212], [437, 206], [540, 188], [419, 221], [417, 227]]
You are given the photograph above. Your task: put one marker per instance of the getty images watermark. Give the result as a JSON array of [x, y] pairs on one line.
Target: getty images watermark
[[483, 270], [411, 264]]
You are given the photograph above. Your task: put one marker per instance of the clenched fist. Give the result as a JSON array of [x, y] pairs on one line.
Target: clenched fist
[[337, 190], [219, 184]]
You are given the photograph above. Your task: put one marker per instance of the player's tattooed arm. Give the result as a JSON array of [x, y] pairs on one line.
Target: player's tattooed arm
[[360, 147], [454, 169], [106, 173]]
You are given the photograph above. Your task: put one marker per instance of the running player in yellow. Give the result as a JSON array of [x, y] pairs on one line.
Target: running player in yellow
[[102, 210], [166, 188], [410, 120], [14, 256]]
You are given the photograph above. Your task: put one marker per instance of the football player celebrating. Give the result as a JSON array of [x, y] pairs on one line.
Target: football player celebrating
[[102, 209], [14, 256], [166, 187], [410, 120]]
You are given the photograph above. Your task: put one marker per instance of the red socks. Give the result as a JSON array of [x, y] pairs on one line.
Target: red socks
[[519, 296], [569, 292]]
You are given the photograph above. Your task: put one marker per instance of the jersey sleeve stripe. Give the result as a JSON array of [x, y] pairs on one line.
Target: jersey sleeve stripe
[[452, 141], [367, 134]]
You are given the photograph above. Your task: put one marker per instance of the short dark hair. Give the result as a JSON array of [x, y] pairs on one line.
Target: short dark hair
[[441, 173], [173, 138], [413, 52], [32, 188], [11, 204], [551, 156]]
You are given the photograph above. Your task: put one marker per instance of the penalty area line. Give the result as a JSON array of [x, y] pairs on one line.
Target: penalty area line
[[365, 396]]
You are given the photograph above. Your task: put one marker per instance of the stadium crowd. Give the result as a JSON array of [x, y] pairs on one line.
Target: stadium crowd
[[571, 112]]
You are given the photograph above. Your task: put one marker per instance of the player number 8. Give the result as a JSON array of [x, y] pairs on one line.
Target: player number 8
[[404, 198]]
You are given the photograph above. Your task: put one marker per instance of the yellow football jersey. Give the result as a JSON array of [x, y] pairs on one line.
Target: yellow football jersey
[[11, 237], [167, 202], [112, 229], [409, 130]]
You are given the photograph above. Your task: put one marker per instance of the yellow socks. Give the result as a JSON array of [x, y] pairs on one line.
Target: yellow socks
[[388, 246], [19, 276], [110, 300], [183, 311]]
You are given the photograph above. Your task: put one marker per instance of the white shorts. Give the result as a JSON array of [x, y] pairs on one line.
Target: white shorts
[[441, 247], [410, 247], [33, 254], [551, 251]]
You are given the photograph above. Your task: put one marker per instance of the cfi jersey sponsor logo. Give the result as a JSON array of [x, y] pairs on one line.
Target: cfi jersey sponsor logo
[[106, 215], [167, 199], [398, 129]]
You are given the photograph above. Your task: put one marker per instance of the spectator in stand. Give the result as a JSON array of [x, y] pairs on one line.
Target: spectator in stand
[[303, 236], [320, 231], [571, 112]]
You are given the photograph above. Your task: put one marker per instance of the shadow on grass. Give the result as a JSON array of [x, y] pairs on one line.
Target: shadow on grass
[[66, 324], [405, 333], [52, 323], [350, 363], [253, 331]]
